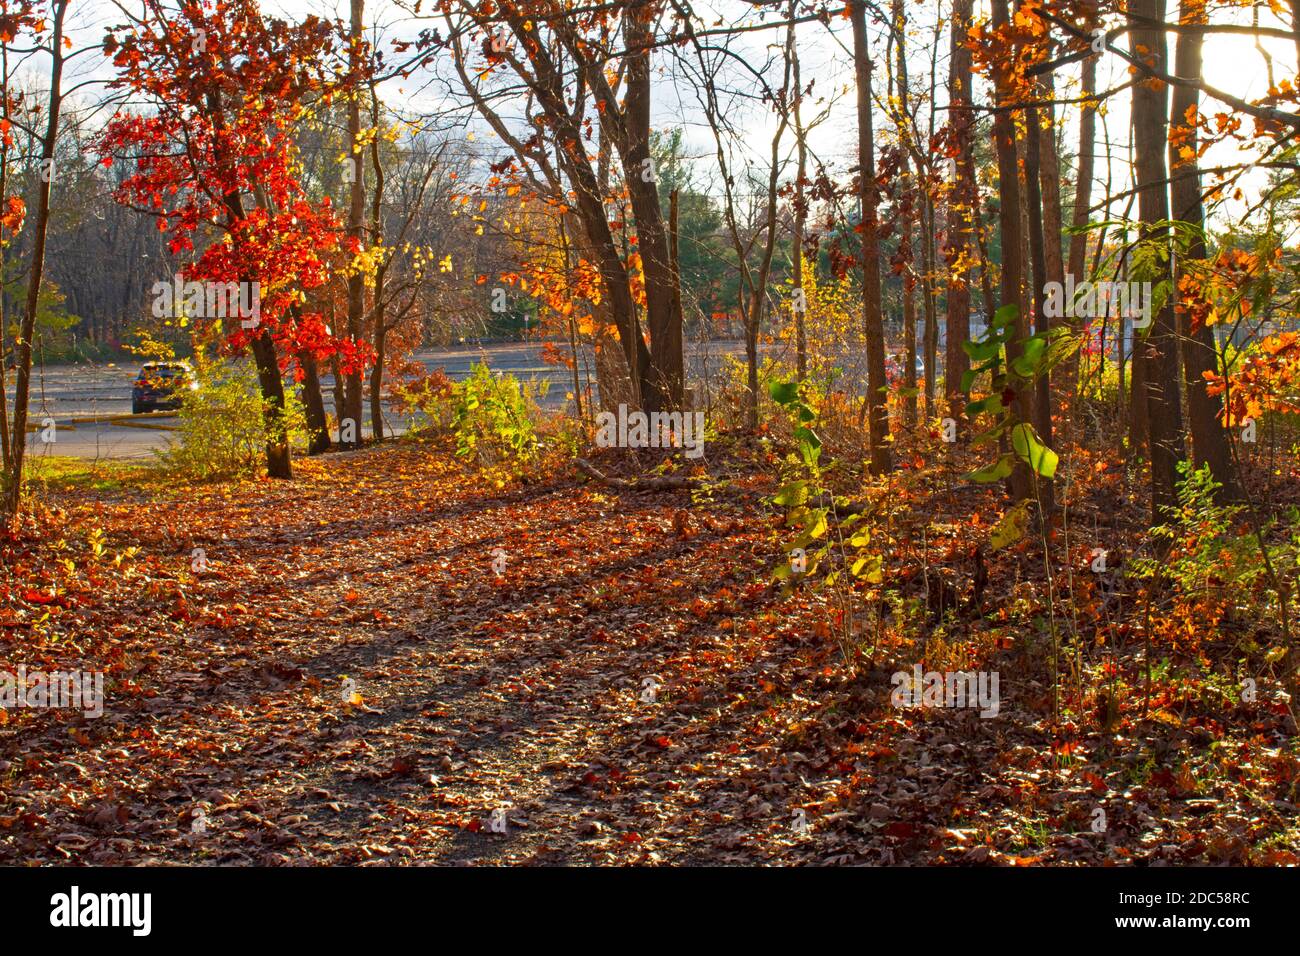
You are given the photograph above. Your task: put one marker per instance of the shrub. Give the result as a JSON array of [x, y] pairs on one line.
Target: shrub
[[222, 433], [493, 418], [430, 395]]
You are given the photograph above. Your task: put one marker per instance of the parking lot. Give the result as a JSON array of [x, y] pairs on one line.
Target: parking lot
[[90, 404]]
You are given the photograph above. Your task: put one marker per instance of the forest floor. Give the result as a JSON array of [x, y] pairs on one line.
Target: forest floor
[[346, 678]]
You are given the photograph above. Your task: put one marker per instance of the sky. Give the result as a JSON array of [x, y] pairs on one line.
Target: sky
[[1232, 63]]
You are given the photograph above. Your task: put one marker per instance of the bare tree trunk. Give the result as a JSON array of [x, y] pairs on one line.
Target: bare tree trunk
[[1082, 197], [1150, 131], [800, 219], [336, 370], [351, 410], [22, 384], [877, 400], [318, 434], [5, 450], [902, 120], [381, 273], [613, 273], [986, 261], [1013, 269], [663, 298], [1200, 353], [963, 212], [377, 374], [909, 346], [1049, 180], [675, 266], [272, 385], [930, 348]]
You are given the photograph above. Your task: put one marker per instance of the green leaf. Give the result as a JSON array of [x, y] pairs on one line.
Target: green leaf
[[1027, 363], [783, 393], [871, 565], [810, 446], [982, 351], [992, 472], [990, 436], [991, 403], [795, 493], [807, 436], [1064, 343], [1032, 451]]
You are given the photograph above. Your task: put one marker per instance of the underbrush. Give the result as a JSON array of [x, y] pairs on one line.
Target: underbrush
[[1122, 690], [495, 420], [222, 425]]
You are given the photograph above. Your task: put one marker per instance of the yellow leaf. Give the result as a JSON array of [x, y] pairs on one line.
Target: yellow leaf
[[1011, 528]]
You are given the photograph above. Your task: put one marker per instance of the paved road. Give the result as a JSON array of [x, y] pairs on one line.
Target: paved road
[[90, 405]]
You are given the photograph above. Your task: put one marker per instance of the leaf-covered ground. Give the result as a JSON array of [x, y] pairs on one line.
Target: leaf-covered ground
[[629, 689]]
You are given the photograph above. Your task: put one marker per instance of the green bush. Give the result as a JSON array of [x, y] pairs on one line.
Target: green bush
[[493, 418], [222, 433]]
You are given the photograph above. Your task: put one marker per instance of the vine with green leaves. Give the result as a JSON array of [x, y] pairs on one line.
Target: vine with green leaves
[[828, 548], [1040, 352]]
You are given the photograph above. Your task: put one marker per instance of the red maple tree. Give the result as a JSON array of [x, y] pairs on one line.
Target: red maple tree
[[216, 163]]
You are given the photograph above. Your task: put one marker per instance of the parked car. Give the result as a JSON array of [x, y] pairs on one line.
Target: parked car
[[159, 384]]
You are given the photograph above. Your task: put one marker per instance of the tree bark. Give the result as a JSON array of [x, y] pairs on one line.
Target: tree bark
[[1150, 140], [1049, 180], [352, 400], [1082, 197], [1200, 353], [930, 348], [663, 298], [318, 432], [381, 274], [22, 383], [877, 400], [1013, 271], [268, 377], [902, 120], [800, 219], [963, 212]]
